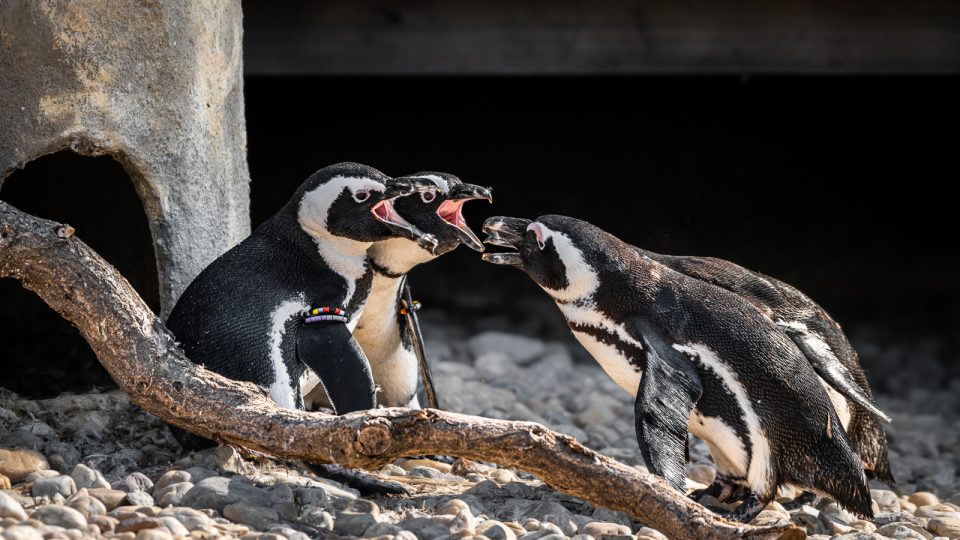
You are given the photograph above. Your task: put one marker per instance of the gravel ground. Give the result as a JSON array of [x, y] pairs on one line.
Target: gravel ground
[[92, 465]]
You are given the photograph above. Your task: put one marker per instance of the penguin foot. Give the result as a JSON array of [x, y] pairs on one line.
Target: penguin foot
[[748, 509], [713, 490], [722, 489], [807, 497], [366, 483]]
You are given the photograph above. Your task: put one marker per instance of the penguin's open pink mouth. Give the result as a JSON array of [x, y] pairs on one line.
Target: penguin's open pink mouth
[[451, 211], [385, 213]]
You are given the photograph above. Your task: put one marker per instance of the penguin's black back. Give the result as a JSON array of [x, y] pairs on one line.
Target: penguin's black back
[[223, 319]]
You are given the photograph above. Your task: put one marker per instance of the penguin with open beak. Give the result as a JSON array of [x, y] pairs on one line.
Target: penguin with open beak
[[284, 301], [382, 332], [698, 358]]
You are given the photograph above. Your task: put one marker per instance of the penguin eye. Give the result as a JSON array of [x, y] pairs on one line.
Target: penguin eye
[[361, 196], [428, 196], [541, 244]]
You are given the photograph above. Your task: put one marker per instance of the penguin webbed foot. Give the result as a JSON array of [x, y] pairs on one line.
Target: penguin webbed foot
[[748, 509], [807, 497], [722, 489]]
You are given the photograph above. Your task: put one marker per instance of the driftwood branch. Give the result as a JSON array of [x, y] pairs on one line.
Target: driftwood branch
[[142, 357]]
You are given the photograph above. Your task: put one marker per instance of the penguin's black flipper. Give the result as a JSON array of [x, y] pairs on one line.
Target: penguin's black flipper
[[330, 351], [827, 365], [669, 391]]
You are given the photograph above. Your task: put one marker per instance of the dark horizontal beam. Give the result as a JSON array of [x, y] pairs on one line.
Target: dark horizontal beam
[[602, 37]]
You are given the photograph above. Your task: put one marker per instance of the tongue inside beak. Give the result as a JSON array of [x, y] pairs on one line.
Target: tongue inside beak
[[451, 212], [385, 212]]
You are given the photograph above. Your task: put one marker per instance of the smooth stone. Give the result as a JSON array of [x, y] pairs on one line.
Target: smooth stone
[[36, 475], [139, 498], [495, 530], [17, 463], [409, 464], [10, 508], [907, 506], [61, 516], [834, 525], [217, 492], [111, 498], [171, 494], [582, 536], [22, 532], [886, 500], [463, 524], [190, 518], [564, 522], [173, 476], [452, 507], [701, 473], [405, 535], [422, 527], [949, 527], [937, 510], [393, 470], [85, 477], [351, 523], [135, 481], [105, 523], [652, 533], [139, 523], [4, 482], [153, 534], [924, 498], [904, 530], [381, 528], [503, 476], [258, 517], [86, 505], [48, 487], [602, 528]]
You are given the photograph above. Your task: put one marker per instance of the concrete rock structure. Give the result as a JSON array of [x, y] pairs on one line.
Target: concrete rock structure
[[158, 86]]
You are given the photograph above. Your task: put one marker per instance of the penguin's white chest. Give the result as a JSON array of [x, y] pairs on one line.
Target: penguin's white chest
[[617, 366]]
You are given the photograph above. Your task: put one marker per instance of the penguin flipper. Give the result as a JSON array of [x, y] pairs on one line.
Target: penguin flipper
[[329, 349], [827, 365], [668, 393]]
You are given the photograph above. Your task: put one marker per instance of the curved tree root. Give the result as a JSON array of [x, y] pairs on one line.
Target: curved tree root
[[143, 358]]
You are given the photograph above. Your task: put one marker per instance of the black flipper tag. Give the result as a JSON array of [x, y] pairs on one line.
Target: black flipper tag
[[828, 366], [669, 391], [329, 349]]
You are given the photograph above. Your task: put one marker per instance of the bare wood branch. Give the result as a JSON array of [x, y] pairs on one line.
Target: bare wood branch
[[142, 357]]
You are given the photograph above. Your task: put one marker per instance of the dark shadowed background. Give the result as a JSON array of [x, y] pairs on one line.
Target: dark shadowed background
[[817, 144]]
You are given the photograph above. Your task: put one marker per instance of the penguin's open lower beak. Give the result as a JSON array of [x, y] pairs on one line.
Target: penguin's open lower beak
[[387, 214], [451, 211], [505, 232]]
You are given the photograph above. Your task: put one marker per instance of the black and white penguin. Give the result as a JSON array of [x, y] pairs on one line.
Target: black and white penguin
[[283, 302], [382, 332], [819, 338], [697, 357]]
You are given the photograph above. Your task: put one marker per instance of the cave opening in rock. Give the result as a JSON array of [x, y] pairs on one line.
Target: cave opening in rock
[[41, 354]]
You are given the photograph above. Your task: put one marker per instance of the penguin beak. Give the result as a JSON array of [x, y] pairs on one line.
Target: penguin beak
[[387, 214], [451, 211], [505, 232]]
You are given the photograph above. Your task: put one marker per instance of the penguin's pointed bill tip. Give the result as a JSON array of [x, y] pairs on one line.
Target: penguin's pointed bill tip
[[451, 211], [505, 232]]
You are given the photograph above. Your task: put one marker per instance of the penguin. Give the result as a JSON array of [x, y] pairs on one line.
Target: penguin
[[284, 300], [819, 338], [381, 331], [698, 358]]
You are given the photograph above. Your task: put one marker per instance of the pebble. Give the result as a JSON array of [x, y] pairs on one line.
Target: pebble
[[452, 507], [171, 494], [111, 498], [139, 498], [17, 463], [886, 500], [85, 477], [258, 517], [22, 532], [495, 530], [350, 523], [173, 476], [216, 492], [923, 498], [61, 516], [190, 518], [945, 526], [106, 523], [904, 530], [4, 482], [603, 528], [134, 524], [10, 508], [133, 482], [463, 524], [153, 534], [86, 505], [55, 485], [652, 533]]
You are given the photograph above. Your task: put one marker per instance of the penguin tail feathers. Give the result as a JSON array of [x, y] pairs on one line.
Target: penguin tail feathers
[[870, 442]]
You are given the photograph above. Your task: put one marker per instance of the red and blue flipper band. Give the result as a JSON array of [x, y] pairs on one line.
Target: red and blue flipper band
[[323, 314]]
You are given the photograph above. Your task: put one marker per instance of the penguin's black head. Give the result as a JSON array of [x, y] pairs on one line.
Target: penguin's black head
[[561, 254], [356, 202], [439, 212]]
